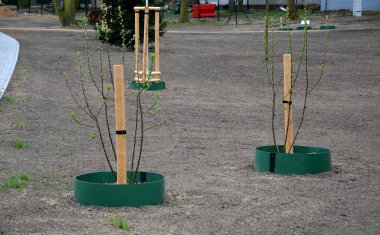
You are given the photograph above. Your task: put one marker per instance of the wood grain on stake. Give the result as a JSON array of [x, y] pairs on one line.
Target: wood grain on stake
[[157, 45], [137, 41], [121, 143], [287, 103], [145, 44]]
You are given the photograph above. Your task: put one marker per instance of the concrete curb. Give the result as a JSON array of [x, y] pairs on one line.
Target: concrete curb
[[9, 49]]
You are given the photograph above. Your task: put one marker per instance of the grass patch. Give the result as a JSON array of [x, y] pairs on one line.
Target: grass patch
[[8, 99], [16, 182], [59, 188], [172, 203], [17, 124], [120, 223], [19, 144], [39, 186]]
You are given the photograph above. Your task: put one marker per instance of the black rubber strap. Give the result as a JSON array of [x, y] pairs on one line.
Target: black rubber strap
[[287, 102], [122, 132], [272, 162], [142, 177]]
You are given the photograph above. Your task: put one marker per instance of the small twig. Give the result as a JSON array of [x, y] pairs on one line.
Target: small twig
[[104, 147], [306, 88], [135, 136], [322, 65], [88, 59], [141, 138]]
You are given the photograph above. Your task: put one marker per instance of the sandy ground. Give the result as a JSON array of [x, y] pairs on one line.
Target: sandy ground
[[218, 103]]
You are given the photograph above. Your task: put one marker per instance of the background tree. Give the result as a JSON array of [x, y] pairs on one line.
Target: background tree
[[114, 10], [292, 10], [66, 12], [183, 17]]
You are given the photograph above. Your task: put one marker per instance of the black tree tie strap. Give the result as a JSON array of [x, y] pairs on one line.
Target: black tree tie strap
[[272, 162], [142, 177], [287, 102], [122, 132]]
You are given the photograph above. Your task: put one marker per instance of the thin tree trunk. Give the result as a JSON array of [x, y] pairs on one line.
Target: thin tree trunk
[[66, 14], [292, 10], [59, 10], [183, 18]]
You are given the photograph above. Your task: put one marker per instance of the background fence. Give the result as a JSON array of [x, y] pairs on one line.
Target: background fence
[[224, 8]]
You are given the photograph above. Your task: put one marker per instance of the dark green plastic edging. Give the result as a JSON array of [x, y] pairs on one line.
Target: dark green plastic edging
[[149, 86], [327, 27], [285, 29], [303, 27], [304, 160], [99, 189]]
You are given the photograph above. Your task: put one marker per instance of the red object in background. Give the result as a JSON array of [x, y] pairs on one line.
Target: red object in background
[[205, 10]]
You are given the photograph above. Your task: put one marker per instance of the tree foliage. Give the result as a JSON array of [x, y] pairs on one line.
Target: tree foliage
[[114, 10]]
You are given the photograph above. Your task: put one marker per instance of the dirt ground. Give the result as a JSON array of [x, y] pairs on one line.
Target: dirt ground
[[218, 103], [5, 11]]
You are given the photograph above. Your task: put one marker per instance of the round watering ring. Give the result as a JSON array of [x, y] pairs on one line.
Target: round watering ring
[[303, 160], [100, 189], [149, 86], [303, 27], [324, 27]]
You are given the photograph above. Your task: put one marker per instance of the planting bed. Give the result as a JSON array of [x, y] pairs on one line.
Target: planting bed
[[218, 102]]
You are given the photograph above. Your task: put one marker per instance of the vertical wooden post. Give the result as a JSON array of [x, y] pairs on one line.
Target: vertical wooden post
[[137, 42], [287, 103], [157, 44], [327, 20], [281, 24], [121, 143], [145, 44]]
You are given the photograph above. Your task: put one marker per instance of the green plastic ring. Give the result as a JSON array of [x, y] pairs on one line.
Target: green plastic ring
[[99, 189], [303, 27], [149, 86], [304, 160], [327, 27]]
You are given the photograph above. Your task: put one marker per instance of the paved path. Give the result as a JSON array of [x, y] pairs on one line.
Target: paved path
[[9, 48]]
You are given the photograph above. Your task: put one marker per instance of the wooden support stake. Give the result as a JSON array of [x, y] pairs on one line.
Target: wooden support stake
[[287, 103], [137, 41], [121, 143], [145, 44], [281, 22], [327, 20], [157, 44]]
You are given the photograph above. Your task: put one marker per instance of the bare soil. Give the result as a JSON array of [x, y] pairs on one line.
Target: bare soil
[[218, 103], [6, 12]]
